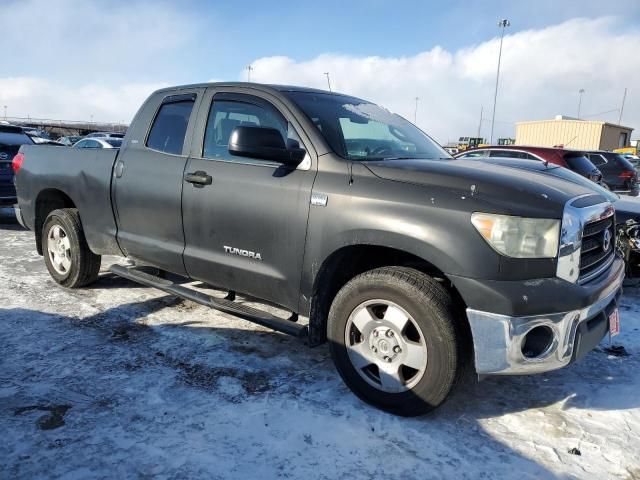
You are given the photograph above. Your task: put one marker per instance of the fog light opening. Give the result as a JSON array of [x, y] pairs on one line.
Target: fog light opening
[[537, 342]]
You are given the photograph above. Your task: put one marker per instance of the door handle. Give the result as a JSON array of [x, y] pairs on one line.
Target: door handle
[[119, 168], [199, 178]]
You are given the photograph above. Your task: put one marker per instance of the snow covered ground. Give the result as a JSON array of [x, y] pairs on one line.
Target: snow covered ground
[[121, 381]]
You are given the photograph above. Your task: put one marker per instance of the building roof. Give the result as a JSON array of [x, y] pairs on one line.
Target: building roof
[[563, 118]]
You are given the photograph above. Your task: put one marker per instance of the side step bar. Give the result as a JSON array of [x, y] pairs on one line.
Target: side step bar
[[247, 313]]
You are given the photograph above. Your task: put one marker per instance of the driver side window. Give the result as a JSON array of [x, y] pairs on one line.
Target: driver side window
[[225, 115]]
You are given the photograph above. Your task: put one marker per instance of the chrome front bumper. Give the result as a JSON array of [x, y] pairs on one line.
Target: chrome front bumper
[[498, 339]]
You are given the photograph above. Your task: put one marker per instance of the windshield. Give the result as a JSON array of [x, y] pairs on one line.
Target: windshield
[[360, 130], [567, 174]]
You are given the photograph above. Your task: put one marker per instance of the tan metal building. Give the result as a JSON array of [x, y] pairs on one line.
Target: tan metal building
[[573, 133]]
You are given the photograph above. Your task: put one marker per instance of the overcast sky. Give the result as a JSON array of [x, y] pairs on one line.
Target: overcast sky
[[72, 59]]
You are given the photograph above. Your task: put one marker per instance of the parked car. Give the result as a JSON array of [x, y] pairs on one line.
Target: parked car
[[408, 262], [11, 138], [571, 159], [105, 134], [103, 142], [619, 174], [69, 140]]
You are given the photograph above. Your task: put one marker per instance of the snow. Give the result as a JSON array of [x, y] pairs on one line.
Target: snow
[[119, 380]]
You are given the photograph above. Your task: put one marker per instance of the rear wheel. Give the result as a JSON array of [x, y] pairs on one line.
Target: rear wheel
[[395, 340], [66, 254]]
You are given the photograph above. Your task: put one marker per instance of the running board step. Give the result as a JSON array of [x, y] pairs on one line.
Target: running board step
[[247, 313]]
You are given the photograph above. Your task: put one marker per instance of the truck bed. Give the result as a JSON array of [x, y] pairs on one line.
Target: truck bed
[[83, 175]]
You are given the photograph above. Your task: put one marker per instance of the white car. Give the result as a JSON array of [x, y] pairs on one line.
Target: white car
[[105, 142]]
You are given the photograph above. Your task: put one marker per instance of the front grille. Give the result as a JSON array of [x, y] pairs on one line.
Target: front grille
[[594, 258]]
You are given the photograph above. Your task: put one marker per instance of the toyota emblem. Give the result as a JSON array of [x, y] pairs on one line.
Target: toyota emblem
[[606, 240], [3, 156]]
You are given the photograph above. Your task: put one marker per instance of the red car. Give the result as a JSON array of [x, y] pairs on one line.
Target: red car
[[572, 159]]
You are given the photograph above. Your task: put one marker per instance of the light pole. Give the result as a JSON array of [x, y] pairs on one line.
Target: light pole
[[249, 68], [5, 112], [581, 92], [415, 113], [624, 97], [504, 23], [328, 80]]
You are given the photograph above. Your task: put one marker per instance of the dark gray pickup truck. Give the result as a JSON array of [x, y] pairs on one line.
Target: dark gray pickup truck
[[411, 264]]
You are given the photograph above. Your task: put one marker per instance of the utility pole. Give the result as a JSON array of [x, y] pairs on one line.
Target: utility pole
[[249, 68], [504, 23], [328, 81], [624, 97], [480, 122], [581, 92], [415, 113]]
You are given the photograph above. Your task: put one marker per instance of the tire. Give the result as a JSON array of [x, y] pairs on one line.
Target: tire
[[378, 301], [66, 254]]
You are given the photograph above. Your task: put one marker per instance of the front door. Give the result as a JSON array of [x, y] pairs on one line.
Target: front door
[[147, 187], [246, 229]]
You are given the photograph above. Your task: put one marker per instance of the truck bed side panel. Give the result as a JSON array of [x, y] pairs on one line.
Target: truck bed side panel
[[84, 175]]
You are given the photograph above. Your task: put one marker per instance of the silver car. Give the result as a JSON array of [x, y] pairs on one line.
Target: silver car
[[106, 142]]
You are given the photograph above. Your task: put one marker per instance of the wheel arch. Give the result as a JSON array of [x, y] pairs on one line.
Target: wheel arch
[[346, 262], [48, 200]]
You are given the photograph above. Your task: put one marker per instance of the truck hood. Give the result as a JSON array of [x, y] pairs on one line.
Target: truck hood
[[495, 188]]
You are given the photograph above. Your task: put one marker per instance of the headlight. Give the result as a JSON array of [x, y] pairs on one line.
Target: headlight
[[517, 236], [570, 247]]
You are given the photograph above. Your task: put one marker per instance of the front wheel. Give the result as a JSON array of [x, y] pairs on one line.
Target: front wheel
[[66, 254], [396, 340]]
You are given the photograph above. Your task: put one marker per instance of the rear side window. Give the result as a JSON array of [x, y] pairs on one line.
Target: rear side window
[[170, 126], [579, 164], [597, 160], [114, 142], [507, 154], [476, 154]]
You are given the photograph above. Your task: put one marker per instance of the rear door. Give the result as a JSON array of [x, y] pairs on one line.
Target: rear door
[[147, 187], [246, 230]]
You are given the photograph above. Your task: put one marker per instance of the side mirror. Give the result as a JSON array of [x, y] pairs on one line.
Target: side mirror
[[263, 143]]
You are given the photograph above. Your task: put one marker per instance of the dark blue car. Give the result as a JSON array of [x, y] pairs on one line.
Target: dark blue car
[[11, 138]]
